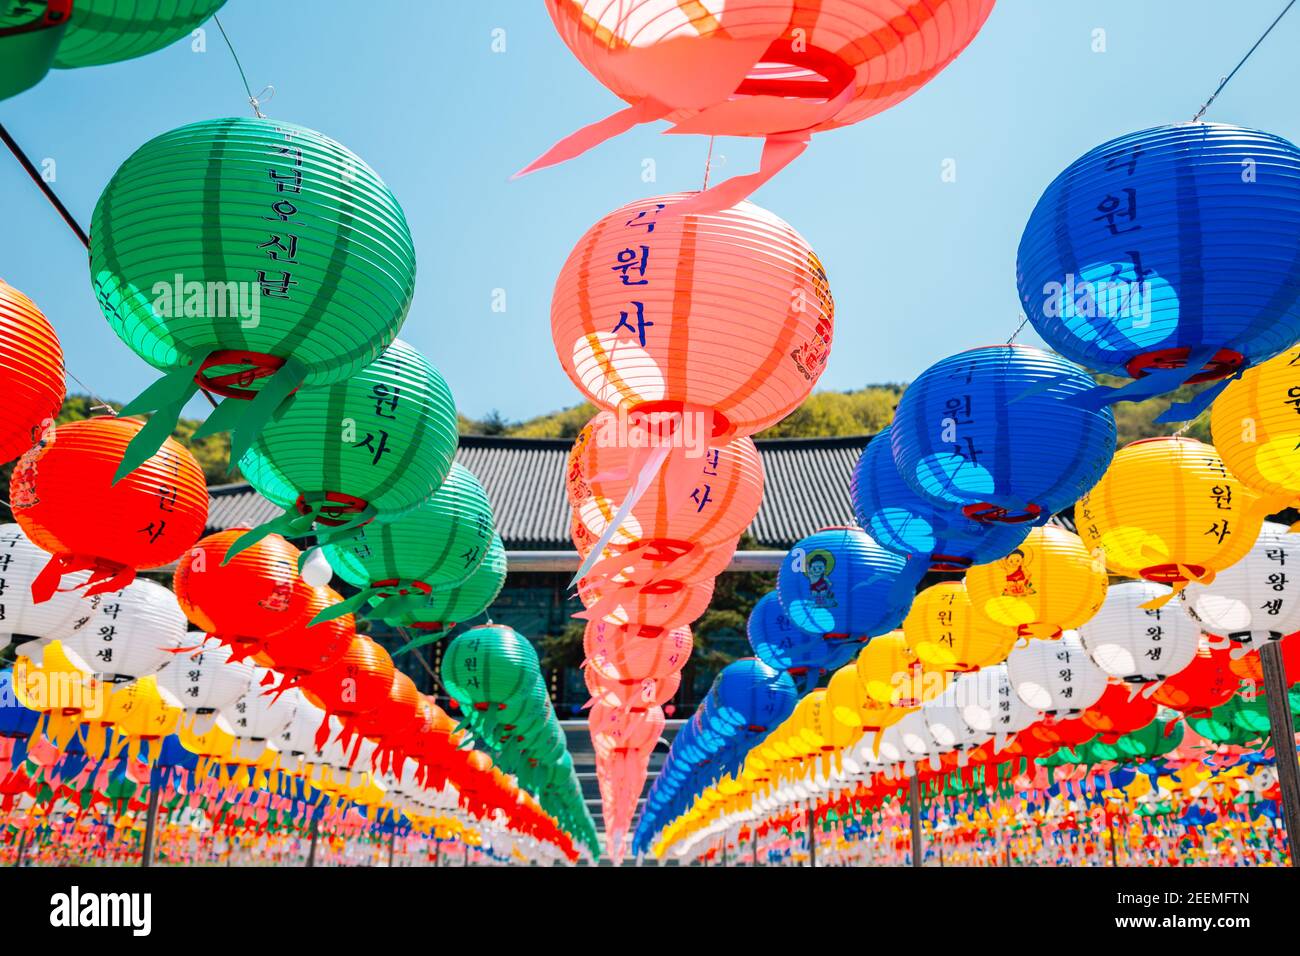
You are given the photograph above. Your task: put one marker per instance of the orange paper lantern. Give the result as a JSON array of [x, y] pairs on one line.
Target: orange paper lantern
[[31, 365]]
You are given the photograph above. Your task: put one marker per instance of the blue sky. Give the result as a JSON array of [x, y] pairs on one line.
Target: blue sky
[[919, 267]]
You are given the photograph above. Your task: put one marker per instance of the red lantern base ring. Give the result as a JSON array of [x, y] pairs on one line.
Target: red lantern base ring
[[401, 588], [249, 367], [1171, 573], [1225, 363], [995, 514], [334, 508], [949, 562]]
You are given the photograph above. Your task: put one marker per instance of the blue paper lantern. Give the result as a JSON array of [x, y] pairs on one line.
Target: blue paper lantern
[[776, 641], [750, 697], [997, 433], [1171, 255], [906, 523], [839, 582]]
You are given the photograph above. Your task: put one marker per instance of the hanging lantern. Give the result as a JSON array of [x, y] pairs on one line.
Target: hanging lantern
[[1255, 600], [1256, 429], [971, 430], [1135, 642], [352, 686], [131, 633], [782, 71], [890, 674], [945, 719], [298, 276], [839, 583], [205, 683], [947, 634], [904, 522], [376, 445], [1168, 511], [258, 718], [442, 610], [488, 666], [30, 34], [989, 702], [748, 696], [304, 648], [1119, 711], [660, 604], [1131, 262], [142, 715], [650, 561], [634, 654], [1050, 583], [1056, 676], [63, 496], [434, 547], [242, 602], [777, 642], [21, 562], [1205, 683], [109, 31], [31, 362]]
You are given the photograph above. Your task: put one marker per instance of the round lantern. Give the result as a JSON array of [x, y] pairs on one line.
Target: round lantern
[[650, 561], [972, 430], [433, 547], [777, 642], [206, 682], [1056, 676], [945, 718], [1049, 583], [63, 496], [1119, 711], [304, 648], [31, 362], [109, 31], [624, 334], [1136, 642], [633, 654], [489, 666], [706, 499], [375, 445], [779, 70], [1205, 683], [890, 674], [659, 604], [354, 685], [30, 33], [990, 703], [947, 634], [1167, 510], [1256, 429], [131, 633], [1131, 262], [906, 523], [440, 611], [243, 601], [751, 697], [21, 562], [298, 738], [300, 273], [839, 583], [1256, 599], [261, 717]]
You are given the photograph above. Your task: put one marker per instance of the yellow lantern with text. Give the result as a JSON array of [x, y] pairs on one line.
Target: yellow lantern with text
[[892, 678], [1256, 427], [947, 634]]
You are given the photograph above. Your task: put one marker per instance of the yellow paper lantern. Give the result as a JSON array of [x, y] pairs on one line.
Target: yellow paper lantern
[[890, 676], [1168, 510], [947, 634], [1052, 582], [1256, 427]]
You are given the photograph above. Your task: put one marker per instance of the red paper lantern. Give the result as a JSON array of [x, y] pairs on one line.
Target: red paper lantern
[[355, 685], [31, 366], [1121, 710], [1202, 685], [302, 649], [63, 496]]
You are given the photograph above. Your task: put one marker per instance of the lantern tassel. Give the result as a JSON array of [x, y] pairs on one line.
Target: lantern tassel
[[593, 134], [165, 398], [779, 151]]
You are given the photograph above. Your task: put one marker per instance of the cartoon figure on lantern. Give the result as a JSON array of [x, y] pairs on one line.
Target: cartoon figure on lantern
[[817, 569], [1019, 583]]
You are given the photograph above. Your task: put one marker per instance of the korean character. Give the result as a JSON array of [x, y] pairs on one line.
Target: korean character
[[1220, 530], [641, 323], [369, 444], [290, 182], [1222, 495], [1114, 208], [1277, 581], [640, 220], [1124, 158], [277, 288], [281, 248], [630, 261], [701, 499], [385, 395]]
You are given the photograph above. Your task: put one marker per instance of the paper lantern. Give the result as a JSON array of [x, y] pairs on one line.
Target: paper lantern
[[756, 326], [709, 499], [442, 610], [1256, 429], [631, 655], [243, 601], [31, 362], [376, 445], [355, 684], [131, 633], [297, 739], [258, 716], [1136, 643], [781, 70], [1056, 676], [206, 682], [749, 696], [21, 562], [1255, 600], [1167, 510], [1119, 711], [487, 666], [840, 582], [660, 604], [904, 522], [298, 276], [305, 648], [945, 719], [780, 644], [64, 498], [971, 431], [1132, 261], [1050, 583], [1204, 683], [947, 634], [109, 31], [990, 703], [30, 34], [433, 547], [652, 561], [890, 674]]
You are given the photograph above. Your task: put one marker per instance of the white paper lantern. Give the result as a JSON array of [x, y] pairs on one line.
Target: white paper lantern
[[1056, 676], [298, 738], [1140, 646], [206, 682], [20, 563], [1257, 599], [947, 724], [261, 716], [917, 740], [132, 632], [989, 703]]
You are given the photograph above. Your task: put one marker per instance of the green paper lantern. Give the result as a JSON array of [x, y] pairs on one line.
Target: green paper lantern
[[488, 666], [248, 258], [1154, 740], [435, 547], [109, 31], [374, 446], [30, 33], [443, 610]]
